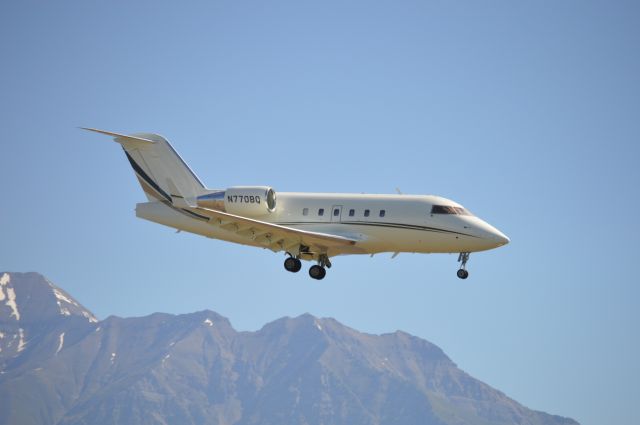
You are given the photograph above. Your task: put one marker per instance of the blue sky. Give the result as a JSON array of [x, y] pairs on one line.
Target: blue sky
[[527, 113]]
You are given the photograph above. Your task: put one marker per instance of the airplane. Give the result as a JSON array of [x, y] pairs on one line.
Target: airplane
[[306, 226]]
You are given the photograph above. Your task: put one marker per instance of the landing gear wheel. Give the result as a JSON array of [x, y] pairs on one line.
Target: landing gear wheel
[[463, 274], [317, 272], [462, 259], [292, 265]]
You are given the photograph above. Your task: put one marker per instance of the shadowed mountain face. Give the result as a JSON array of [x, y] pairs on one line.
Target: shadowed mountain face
[[59, 365]]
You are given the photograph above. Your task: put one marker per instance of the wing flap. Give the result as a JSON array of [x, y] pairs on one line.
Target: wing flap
[[273, 236]]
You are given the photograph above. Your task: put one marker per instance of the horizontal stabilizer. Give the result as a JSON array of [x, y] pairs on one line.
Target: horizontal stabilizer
[[121, 138]]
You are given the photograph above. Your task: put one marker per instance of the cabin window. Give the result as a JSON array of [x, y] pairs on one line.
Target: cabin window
[[321, 212], [305, 211], [352, 213], [366, 213], [382, 213], [336, 212]]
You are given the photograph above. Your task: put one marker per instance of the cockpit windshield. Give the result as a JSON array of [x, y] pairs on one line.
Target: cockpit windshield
[[448, 209]]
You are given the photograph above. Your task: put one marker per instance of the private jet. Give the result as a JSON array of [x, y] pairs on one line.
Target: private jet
[[305, 226]]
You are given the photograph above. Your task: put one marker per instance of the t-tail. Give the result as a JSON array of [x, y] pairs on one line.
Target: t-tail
[[161, 172]]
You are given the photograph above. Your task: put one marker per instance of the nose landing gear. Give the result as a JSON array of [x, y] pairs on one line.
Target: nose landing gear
[[462, 259]]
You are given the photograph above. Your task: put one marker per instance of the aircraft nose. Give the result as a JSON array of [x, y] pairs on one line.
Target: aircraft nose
[[500, 237], [492, 236]]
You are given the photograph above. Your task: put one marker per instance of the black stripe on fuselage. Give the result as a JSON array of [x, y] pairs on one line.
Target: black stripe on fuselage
[[191, 213], [146, 177], [380, 224]]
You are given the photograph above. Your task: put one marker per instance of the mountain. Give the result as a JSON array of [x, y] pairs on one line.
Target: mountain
[[59, 365], [32, 311]]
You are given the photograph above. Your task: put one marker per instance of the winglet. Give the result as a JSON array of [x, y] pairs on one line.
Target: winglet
[[120, 138]]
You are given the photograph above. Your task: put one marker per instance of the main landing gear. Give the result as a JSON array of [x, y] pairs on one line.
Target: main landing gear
[[317, 271], [463, 258], [292, 264]]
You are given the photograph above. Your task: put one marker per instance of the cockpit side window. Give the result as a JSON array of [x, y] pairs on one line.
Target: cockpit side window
[[447, 209], [442, 209], [462, 211]]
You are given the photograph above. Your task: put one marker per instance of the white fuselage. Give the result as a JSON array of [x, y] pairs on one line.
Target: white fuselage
[[383, 223]]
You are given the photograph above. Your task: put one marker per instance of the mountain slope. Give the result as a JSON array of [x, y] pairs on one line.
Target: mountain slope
[[196, 369]]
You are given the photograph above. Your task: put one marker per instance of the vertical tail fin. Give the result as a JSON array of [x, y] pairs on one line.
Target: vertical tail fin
[[159, 168]]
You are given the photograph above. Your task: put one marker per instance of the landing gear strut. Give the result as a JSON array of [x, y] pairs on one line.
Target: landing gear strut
[[463, 258], [292, 264]]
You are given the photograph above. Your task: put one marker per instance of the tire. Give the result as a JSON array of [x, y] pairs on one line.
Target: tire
[[292, 265], [298, 265], [463, 274], [323, 273], [317, 272]]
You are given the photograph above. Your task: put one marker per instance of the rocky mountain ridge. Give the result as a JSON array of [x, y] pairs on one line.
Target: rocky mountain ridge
[[59, 365]]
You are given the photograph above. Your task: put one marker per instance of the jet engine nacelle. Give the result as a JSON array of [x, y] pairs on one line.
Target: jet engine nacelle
[[250, 200]]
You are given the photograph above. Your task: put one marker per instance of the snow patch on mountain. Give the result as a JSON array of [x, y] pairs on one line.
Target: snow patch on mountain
[[64, 310], [60, 342], [22, 344], [165, 358], [60, 296], [89, 317], [11, 302], [10, 296], [208, 322]]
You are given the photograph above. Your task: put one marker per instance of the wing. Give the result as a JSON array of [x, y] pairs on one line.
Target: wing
[[277, 237]]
